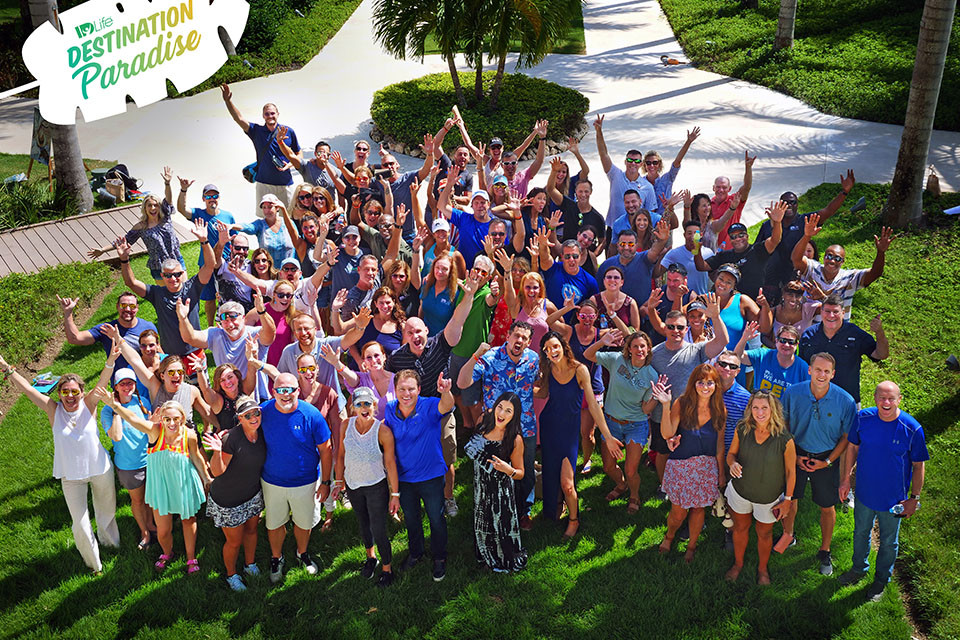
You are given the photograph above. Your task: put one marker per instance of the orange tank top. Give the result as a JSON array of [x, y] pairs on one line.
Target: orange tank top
[[163, 445]]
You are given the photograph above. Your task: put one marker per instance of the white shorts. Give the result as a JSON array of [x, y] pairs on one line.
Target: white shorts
[[281, 502], [761, 512]]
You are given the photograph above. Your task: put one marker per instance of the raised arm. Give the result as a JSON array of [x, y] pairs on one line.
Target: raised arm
[[526, 141], [465, 375], [606, 340], [299, 244], [135, 420], [810, 229], [46, 404], [279, 134], [661, 236], [744, 190], [541, 131], [182, 196], [691, 136], [775, 212], [190, 335], [882, 352], [720, 338], [105, 374], [551, 188], [198, 362], [882, 243], [132, 356], [573, 146], [506, 262], [234, 112], [454, 329], [445, 386], [74, 335], [126, 271], [605, 161], [846, 184], [332, 356], [443, 202], [656, 295]]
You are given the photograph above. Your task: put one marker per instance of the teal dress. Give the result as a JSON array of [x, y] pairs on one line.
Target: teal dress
[[173, 485]]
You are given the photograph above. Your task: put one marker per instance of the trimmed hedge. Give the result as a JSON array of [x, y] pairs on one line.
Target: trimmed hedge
[[407, 110]]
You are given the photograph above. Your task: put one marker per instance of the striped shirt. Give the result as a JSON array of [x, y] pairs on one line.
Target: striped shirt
[[735, 398], [429, 364], [845, 284]]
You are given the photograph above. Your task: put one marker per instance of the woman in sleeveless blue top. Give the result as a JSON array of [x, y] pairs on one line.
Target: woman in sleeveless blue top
[[560, 426]]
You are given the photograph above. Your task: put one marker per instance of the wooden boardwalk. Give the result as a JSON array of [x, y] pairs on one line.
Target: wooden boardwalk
[[32, 248]]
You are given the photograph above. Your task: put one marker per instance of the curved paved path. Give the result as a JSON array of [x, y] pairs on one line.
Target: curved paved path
[[647, 106]]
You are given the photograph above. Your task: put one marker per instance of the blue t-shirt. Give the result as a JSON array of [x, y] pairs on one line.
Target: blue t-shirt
[[130, 452], [269, 153], [417, 440], [472, 234], [848, 346], [768, 375], [292, 440], [818, 425], [561, 285], [886, 456], [639, 275], [735, 399], [437, 309], [200, 213], [131, 336]]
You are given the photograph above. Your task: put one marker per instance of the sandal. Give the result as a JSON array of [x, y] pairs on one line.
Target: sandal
[[587, 467], [570, 521], [162, 561], [633, 506], [617, 493], [144, 543], [192, 566]]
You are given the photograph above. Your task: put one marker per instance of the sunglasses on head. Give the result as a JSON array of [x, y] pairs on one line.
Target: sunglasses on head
[[212, 196], [233, 315], [175, 274], [677, 268]]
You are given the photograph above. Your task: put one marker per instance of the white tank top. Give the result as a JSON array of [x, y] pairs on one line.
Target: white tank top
[[362, 457], [77, 452]]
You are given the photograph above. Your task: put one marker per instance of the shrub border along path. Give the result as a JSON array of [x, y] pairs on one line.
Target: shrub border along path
[[607, 580]]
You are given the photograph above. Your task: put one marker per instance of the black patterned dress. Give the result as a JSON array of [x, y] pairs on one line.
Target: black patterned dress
[[496, 524]]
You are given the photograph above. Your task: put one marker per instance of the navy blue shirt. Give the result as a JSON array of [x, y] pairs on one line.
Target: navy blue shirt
[[848, 346], [269, 154], [638, 281], [561, 284]]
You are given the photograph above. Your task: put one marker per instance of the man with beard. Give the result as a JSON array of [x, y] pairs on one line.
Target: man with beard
[[298, 444], [127, 323]]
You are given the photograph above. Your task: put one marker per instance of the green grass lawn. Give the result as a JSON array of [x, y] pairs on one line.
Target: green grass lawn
[[607, 582], [851, 59], [14, 163], [573, 42]]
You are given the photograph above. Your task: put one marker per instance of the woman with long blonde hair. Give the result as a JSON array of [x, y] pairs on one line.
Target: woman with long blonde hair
[[762, 461], [692, 428], [438, 297]]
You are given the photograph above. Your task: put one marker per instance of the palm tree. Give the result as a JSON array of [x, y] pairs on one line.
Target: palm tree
[[785, 24], [68, 168], [402, 26], [537, 24], [905, 203]]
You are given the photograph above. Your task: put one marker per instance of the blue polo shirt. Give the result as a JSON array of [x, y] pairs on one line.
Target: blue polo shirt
[[417, 440], [292, 440], [768, 375], [886, 456], [639, 275], [848, 346], [471, 232], [269, 153], [818, 425]]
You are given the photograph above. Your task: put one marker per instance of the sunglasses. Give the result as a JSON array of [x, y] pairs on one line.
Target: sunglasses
[[572, 256], [739, 234], [788, 341], [733, 366], [706, 383], [291, 268], [832, 257], [587, 316], [309, 369], [253, 413], [177, 373], [175, 274], [651, 163], [242, 248], [233, 315], [212, 196], [628, 245], [612, 276], [509, 163], [261, 261], [633, 161], [283, 296], [169, 420], [789, 203], [676, 327], [128, 307], [361, 149], [362, 403], [69, 393], [305, 196], [284, 391], [500, 186]]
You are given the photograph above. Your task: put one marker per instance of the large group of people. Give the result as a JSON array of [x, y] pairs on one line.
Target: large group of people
[[374, 333]]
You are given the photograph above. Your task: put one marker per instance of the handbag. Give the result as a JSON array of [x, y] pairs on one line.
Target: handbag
[[250, 172], [116, 188]]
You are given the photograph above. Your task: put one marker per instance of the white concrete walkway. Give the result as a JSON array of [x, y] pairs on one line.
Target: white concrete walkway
[[647, 106]]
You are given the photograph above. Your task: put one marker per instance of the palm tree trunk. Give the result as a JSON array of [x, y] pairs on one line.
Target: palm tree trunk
[[478, 81], [785, 25], [905, 203], [498, 81], [68, 168], [227, 43], [456, 82]]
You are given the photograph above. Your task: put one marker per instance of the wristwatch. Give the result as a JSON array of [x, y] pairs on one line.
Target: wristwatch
[[914, 496], [326, 482]]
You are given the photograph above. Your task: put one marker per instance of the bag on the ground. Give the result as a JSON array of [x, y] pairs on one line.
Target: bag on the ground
[[120, 172], [115, 188]]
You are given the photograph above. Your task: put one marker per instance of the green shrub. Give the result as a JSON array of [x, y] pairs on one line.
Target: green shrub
[[29, 309], [26, 203], [263, 25], [407, 110]]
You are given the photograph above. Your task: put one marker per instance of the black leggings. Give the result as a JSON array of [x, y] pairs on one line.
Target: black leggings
[[371, 504]]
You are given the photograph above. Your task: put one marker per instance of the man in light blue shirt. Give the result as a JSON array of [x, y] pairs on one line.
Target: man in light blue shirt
[[819, 415], [623, 179]]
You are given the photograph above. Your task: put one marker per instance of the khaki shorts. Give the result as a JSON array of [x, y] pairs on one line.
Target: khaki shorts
[[448, 431], [762, 512], [282, 502]]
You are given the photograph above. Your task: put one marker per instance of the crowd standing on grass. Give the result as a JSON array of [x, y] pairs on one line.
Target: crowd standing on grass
[[379, 328]]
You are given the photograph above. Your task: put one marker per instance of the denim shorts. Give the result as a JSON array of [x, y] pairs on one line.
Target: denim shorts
[[636, 432]]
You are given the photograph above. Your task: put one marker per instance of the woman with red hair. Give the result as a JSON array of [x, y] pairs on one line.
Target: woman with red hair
[[694, 471]]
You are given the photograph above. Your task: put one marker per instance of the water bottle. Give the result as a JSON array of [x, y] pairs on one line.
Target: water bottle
[[897, 509]]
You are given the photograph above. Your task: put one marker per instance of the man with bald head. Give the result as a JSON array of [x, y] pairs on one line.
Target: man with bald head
[[721, 201], [428, 356], [298, 442], [828, 275], [888, 449]]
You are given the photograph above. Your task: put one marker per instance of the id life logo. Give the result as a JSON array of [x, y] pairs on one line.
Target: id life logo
[[89, 28]]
